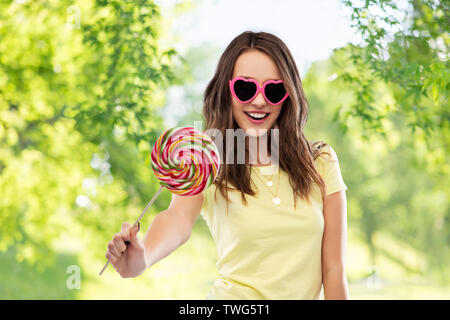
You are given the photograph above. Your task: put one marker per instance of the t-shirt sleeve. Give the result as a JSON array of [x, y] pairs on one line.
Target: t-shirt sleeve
[[331, 172]]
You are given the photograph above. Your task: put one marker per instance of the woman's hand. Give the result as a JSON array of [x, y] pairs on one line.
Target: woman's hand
[[126, 252]]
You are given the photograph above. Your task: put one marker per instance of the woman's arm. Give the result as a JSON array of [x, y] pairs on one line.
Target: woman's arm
[[334, 242], [171, 228]]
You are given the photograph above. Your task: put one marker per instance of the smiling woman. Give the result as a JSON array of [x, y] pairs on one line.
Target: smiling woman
[[265, 214], [291, 212]]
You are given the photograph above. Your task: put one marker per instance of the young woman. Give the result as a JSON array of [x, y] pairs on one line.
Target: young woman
[[279, 228]]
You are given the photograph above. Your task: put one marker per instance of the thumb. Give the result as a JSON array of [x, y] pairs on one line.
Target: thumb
[[126, 231], [134, 234]]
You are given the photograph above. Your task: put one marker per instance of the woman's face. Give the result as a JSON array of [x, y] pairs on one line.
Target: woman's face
[[259, 66]]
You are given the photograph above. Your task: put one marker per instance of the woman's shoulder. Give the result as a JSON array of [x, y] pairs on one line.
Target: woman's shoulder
[[323, 154], [327, 164], [322, 150]]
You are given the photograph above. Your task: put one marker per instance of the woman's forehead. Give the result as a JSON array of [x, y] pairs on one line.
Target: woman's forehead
[[256, 65]]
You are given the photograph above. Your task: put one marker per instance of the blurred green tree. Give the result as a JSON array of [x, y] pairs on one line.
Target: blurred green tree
[[389, 194], [399, 80], [405, 45], [80, 86]]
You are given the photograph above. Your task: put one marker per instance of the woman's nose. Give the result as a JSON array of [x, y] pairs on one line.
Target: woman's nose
[[259, 100]]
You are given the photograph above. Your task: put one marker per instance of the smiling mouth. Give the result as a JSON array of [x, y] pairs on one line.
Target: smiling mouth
[[257, 115]]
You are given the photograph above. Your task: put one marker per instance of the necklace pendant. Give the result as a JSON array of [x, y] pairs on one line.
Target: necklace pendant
[[269, 183], [276, 201]]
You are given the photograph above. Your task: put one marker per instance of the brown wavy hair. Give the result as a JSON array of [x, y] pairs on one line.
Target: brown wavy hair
[[296, 154]]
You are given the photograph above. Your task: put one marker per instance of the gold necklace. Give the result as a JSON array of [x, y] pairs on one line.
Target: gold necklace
[[269, 182], [276, 200]]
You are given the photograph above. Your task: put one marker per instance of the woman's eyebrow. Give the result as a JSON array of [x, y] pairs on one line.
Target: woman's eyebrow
[[267, 79]]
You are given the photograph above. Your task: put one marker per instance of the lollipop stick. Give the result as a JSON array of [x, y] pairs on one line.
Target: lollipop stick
[[137, 221]]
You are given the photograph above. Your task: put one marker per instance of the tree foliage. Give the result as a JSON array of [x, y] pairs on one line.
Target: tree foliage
[[405, 45], [389, 193], [80, 86]]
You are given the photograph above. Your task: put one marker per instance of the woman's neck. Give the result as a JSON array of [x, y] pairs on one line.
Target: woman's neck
[[259, 154]]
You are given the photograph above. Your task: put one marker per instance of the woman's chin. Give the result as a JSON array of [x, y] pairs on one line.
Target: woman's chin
[[255, 132]]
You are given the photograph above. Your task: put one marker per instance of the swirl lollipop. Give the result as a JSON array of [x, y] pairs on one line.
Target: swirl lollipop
[[185, 161]]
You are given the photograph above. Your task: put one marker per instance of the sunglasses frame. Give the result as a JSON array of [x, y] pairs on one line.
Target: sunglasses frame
[[258, 89]]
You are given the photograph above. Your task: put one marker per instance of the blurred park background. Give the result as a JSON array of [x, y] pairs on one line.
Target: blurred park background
[[87, 86]]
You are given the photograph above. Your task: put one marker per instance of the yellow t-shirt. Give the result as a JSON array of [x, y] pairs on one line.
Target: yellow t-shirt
[[267, 251]]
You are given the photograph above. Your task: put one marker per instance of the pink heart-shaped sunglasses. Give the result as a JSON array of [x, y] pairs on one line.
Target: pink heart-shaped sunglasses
[[245, 90]]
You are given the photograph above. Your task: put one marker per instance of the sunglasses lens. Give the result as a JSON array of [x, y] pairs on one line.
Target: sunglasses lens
[[275, 92], [244, 90]]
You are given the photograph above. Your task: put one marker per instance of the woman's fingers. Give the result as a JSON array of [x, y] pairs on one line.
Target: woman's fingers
[[119, 243], [112, 248], [117, 246], [110, 257]]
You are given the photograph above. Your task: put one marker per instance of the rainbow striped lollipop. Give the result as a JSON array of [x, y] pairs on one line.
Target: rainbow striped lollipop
[[185, 160]]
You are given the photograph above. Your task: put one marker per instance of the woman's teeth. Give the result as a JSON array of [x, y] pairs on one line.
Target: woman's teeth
[[257, 115]]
